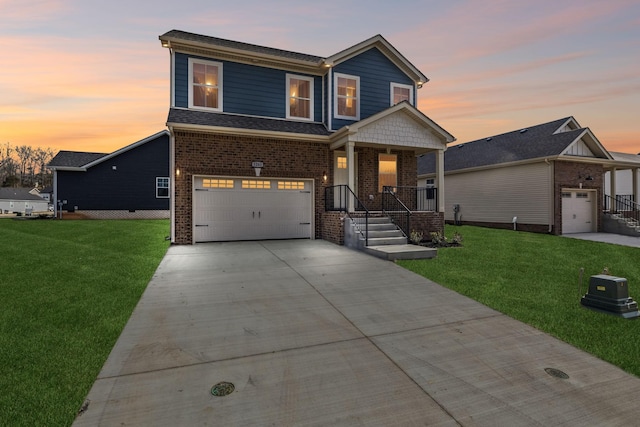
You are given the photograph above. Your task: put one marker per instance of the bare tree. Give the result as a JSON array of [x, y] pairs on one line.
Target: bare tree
[[24, 156]]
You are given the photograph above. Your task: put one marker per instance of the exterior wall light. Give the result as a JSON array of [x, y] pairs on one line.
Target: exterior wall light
[[177, 172], [324, 176]]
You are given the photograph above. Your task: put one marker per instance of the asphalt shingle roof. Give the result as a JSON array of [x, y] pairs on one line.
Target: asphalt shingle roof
[[534, 142], [74, 158], [215, 41], [9, 193], [204, 118]]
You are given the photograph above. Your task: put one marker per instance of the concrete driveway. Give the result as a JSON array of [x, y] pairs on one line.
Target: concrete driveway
[[311, 333]]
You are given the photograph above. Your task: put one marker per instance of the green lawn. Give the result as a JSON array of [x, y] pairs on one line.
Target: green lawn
[[535, 278], [67, 289]]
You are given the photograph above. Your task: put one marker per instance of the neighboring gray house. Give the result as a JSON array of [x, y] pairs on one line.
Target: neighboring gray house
[[132, 182], [546, 178], [20, 200]]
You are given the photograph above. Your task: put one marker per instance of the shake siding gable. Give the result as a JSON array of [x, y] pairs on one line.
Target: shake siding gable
[[497, 195], [247, 89], [376, 72]]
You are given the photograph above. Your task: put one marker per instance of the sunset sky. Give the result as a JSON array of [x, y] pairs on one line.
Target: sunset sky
[[91, 75]]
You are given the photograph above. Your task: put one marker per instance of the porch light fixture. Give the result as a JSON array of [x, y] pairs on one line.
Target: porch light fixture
[[324, 176], [177, 172]]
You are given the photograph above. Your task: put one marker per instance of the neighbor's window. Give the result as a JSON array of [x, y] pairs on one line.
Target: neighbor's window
[[206, 84], [341, 162], [300, 97], [387, 171], [162, 187], [400, 92], [347, 89]]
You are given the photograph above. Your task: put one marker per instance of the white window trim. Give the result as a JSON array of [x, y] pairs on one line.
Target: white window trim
[[158, 178], [220, 80], [335, 96], [401, 86], [288, 97]]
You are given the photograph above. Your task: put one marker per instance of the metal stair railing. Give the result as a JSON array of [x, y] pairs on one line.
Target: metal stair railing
[[397, 211], [336, 199], [622, 205]]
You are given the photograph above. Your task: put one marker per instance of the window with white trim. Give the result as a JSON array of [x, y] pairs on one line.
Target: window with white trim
[[205, 84], [300, 97], [346, 96], [400, 92], [162, 187]]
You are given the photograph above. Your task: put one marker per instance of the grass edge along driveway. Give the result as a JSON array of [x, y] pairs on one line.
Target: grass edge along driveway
[[67, 289], [535, 278]]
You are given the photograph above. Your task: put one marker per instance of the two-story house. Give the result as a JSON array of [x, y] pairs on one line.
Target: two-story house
[[270, 144]]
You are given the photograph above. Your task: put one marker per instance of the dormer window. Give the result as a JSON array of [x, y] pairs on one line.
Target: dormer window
[[205, 84], [300, 97], [400, 92], [347, 92]]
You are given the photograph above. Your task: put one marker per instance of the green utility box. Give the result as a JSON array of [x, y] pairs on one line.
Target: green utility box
[[610, 294]]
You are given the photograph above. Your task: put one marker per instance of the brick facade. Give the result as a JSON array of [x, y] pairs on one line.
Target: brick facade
[[202, 153], [573, 175]]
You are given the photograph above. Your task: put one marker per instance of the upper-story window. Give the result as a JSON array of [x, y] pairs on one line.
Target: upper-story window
[[300, 94], [400, 92], [347, 92], [205, 84]]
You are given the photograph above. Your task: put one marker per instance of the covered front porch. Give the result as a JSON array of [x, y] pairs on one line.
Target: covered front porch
[[622, 193], [374, 175]]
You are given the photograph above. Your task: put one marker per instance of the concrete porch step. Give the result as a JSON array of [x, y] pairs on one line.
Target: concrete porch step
[[396, 252], [378, 241], [393, 232]]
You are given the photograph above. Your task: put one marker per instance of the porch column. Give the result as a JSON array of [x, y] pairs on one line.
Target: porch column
[[440, 179], [634, 184], [612, 191], [352, 175]]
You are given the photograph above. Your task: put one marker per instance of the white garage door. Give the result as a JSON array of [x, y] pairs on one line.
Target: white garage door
[[252, 209], [577, 211]]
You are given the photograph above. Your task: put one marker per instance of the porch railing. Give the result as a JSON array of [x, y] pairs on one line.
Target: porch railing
[[396, 210], [338, 198], [424, 199], [623, 205]]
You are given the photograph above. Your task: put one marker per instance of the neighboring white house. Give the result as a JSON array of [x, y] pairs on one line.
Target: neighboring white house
[[20, 200]]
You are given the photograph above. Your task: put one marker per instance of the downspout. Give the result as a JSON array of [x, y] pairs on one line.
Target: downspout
[[551, 197], [330, 99], [55, 193], [172, 188]]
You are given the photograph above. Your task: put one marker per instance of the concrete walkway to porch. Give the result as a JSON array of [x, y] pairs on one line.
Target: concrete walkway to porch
[[311, 333]]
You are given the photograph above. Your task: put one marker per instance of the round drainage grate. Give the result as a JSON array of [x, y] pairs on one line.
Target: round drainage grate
[[556, 373], [222, 389]]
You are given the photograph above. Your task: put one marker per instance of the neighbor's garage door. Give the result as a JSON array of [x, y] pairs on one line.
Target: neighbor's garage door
[[577, 211], [251, 209]]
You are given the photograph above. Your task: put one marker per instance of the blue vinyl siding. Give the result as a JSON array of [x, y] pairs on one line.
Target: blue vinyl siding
[[247, 89], [131, 186], [376, 73]]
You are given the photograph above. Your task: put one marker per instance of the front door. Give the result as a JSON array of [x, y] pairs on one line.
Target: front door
[[341, 177]]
